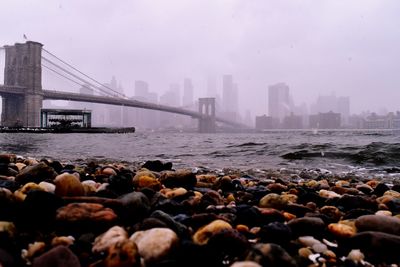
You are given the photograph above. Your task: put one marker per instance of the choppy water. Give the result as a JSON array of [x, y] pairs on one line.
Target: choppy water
[[336, 151]]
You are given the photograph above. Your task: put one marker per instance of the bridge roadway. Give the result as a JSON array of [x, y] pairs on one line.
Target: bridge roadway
[[58, 95]]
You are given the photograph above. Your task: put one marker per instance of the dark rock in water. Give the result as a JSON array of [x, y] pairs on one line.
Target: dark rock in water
[[349, 202], [6, 170], [211, 198], [180, 178], [9, 184], [275, 232], [307, 226], [59, 256], [8, 207], [380, 189], [378, 223], [227, 245], [355, 213], [297, 209], [56, 165], [379, 247], [180, 229], [248, 215], [271, 215], [149, 223], [394, 205], [6, 259], [36, 173], [170, 206], [270, 255], [200, 219], [157, 165], [121, 184], [135, 207], [38, 211]]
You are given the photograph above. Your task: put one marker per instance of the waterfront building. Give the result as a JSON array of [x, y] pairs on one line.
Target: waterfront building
[[389, 121], [292, 122], [265, 122], [328, 120]]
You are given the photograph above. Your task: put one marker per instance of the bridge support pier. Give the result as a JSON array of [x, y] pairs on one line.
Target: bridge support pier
[[207, 107], [23, 71]]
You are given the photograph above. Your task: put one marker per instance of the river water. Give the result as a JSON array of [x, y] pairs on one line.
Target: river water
[[338, 151]]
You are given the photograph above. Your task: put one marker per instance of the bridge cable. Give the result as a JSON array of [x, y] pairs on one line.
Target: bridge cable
[[59, 73], [87, 76], [78, 78]]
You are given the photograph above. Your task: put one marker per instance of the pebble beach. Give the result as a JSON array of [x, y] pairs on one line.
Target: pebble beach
[[92, 213]]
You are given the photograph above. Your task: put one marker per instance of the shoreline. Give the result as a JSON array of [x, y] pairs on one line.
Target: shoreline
[[102, 214]]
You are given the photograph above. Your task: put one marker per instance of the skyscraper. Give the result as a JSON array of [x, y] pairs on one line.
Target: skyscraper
[[278, 101], [230, 99], [187, 100]]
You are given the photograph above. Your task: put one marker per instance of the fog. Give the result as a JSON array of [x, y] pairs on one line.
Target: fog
[[346, 48]]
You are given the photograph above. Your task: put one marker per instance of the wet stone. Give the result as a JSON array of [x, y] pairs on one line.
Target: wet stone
[[59, 256], [68, 185], [36, 173], [307, 226], [181, 178], [378, 223], [111, 237], [270, 255]]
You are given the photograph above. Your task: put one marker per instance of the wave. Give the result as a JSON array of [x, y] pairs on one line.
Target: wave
[[377, 153]]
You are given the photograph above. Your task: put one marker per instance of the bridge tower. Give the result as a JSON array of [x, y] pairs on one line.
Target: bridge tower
[[23, 69], [207, 108]]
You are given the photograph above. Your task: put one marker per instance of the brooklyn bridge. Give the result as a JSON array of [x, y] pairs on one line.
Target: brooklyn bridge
[[22, 93]]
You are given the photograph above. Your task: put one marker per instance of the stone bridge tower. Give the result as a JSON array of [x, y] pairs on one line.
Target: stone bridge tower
[[23, 70], [207, 107]]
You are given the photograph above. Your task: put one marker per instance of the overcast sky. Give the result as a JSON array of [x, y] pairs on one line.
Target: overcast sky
[[351, 47]]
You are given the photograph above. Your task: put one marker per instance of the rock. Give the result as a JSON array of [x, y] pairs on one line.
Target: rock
[[135, 207], [121, 184], [20, 194], [6, 259], [36, 174], [211, 198], [270, 255], [62, 241], [157, 166], [378, 223], [245, 264], [333, 213], [172, 193], [203, 234], [307, 226], [275, 232], [48, 187], [341, 230], [83, 217], [68, 185], [274, 201], [170, 222], [379, 247], [155, 244], [59, 256], [356, 256], [32, 251], [181, 178], [227, 244], [123, 254], [328, 194], [38, 210], [144, 181], [104, 242], [108, 171], [348, 202]]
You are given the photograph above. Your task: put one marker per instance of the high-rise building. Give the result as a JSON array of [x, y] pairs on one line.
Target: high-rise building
[[278, 101], [343, 107], [187, 100], [211, 86], [230, 99]]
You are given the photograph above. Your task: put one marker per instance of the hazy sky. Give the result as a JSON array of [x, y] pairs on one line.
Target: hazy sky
[[351, 47]]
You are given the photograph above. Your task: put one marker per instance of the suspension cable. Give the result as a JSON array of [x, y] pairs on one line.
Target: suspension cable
[[78, 78], [87, 76]]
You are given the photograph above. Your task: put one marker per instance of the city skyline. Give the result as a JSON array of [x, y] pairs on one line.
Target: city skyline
[[347, 47]]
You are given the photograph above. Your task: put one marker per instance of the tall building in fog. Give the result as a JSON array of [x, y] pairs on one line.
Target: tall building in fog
[[278, 101], [332, 103], [230, 98], [343, 104], [187, 100], [211, 86], [144, 118]]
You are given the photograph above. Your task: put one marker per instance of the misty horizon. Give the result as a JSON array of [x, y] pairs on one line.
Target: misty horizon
[[316, 48]]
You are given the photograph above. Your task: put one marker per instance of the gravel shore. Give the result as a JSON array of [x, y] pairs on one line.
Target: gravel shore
[[112, 214]]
